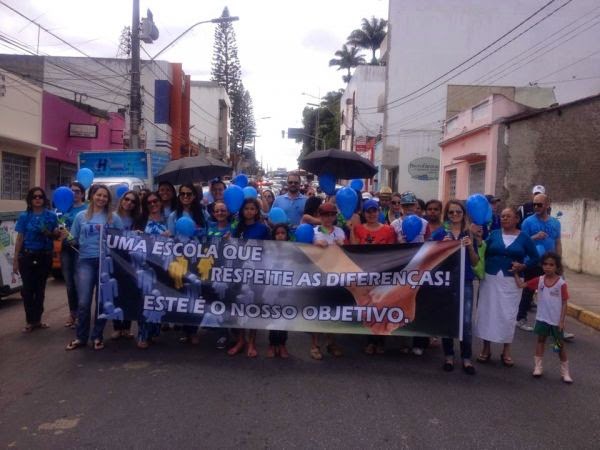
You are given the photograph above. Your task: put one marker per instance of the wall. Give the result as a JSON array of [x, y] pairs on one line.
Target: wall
[[207, 99], [557, 149], [425, 39], [580, 222]]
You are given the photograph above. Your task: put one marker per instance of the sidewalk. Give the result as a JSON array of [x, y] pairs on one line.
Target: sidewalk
[[584, 304]]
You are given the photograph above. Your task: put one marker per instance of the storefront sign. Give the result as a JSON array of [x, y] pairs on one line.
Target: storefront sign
[[83, 130]]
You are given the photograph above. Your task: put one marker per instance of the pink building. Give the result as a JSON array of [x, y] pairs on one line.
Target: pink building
[[469, 147], [72, 128]]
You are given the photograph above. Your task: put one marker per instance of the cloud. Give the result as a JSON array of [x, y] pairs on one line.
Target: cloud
[[321, 40]]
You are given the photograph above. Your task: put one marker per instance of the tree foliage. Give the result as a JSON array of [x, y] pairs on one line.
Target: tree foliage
[[347, 58], [329, 124], [370, 36]]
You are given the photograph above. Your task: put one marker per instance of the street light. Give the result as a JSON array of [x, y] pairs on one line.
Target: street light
[[215, 20]]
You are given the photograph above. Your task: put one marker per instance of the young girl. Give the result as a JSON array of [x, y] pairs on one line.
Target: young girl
[[86, 230], [221, 227], [278, 338], [551, 311], [327, 234], [250, 227]]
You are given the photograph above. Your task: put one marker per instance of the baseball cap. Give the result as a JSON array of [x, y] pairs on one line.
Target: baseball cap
[[492, 199], [327, 208], [407, 198], [369, 204], [538, 189]]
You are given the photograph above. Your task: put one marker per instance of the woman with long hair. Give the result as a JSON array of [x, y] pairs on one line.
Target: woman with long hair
[[311, 211], [250, 227], [129, 210], [168, 197], [267, 197], [456, 228], [87, 229], [36, 228], [153, 222], [69, 255], [188, 206], [395, 210]]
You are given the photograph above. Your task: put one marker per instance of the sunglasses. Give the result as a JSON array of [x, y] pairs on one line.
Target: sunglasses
[[76, 191], [186, 194], [153, 202], [129, 199], [293, 182], [455, 211], [396, 203], [538, 205], [222, 211], [329, 214], [37, 197]]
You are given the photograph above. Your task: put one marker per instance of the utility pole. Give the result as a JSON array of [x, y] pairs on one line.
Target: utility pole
[[353, 113], [135, 100]]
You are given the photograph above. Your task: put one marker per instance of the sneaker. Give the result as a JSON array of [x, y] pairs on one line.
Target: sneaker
[[522, 325], [221, 343], [417, 351], [568, 336]]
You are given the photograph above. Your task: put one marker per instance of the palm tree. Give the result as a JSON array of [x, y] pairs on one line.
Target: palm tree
[[370, 36], [347, 58]]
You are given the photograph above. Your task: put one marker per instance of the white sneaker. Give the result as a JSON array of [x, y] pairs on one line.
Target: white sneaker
[[417, 351], [568, 336], [522, 325]]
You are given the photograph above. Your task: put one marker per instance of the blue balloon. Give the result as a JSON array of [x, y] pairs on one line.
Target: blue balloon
[[250, 192], [63, 199], [85, 176], [305, 233], [185, 226], [277, 216], [327, 183], [346, 200], [241, 180], [233, 198], [357, 184], [477, 208], [121, 189], [411, 227]]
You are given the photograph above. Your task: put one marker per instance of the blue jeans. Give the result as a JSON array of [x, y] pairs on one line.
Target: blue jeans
[[466, 348], [68, 264], [87, 280]]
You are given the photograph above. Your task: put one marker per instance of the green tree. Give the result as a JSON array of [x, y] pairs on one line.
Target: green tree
[[242, 121], [370, 36], [226, 68], [347, 58], [329, 124]]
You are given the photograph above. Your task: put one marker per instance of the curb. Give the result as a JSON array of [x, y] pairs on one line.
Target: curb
[[584, 316]]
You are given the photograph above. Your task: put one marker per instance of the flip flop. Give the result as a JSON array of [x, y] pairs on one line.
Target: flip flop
[[42, 326], [75, 343], [507, 360], [27, 328], [98, 345]]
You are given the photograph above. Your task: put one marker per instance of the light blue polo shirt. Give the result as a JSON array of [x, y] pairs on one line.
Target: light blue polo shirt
[[293, 207]]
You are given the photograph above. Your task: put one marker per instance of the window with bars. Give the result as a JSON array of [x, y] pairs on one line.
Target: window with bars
[[451, 184], [16, 176]]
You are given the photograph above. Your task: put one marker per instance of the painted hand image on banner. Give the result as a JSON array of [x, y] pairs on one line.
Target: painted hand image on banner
[[380, 289]]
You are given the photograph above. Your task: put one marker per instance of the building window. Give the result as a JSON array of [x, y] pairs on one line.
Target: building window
[[477, 178], [480, 111], [16, 176], [451, 124], [451, 184]]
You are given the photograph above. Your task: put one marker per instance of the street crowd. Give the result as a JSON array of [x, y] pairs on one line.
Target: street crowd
[[516, 254]]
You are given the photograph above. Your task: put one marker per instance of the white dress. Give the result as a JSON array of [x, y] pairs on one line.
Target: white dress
[[497, 306]]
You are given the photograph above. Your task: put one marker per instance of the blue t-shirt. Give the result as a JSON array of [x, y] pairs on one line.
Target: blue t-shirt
[[155, 226], [215, 232], [127, 223], [293, 207], [68, 217], [257, 230], [87, 232], [551, 226], [33, 226]]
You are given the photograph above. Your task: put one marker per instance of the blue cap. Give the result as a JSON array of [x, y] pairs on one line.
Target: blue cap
[[369, 204]]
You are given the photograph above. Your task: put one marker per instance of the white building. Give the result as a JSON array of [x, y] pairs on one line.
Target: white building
[[210, 117], [20, 140], [428, 39]]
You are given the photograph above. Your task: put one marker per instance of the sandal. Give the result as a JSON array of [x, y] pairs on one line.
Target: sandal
[[484, 358], [143, 345], [237, 348], [315, 353], [27, 328], [507, 361], [70, 322], [334, 350], [98, 344], [127, 334], [251, 352], [75, 343]]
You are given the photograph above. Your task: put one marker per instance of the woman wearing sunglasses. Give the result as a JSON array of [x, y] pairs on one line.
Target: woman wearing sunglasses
[[130, 213], [36, 228], [395, 210], [188, 206]]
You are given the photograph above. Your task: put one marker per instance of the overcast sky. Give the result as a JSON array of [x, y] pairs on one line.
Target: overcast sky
[[284, 47]]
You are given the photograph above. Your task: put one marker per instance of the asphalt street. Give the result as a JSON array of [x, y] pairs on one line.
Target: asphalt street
[[178, 396]]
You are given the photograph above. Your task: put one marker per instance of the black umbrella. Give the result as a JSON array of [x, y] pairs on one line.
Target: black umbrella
[[342, 164], [192, 169]]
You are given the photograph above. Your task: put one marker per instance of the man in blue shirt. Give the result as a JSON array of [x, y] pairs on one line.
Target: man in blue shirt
[[545, 233], [292, 202]]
